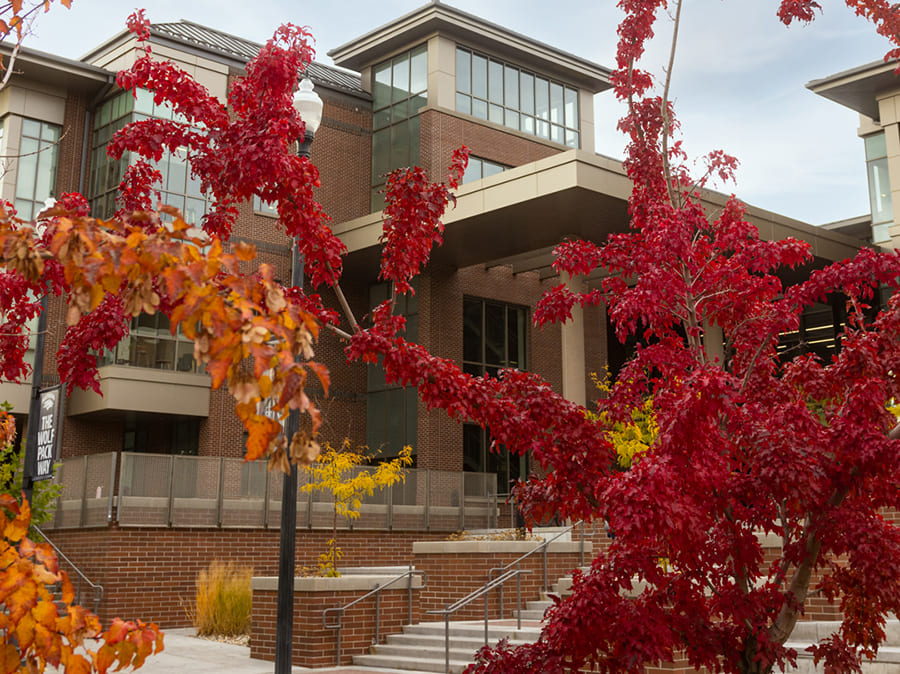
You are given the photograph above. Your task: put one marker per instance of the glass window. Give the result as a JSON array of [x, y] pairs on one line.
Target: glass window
[[495, 82], [418, 70], [479, 168], [511, 92], [880, 200], [177, 186], [504, 94], [391, 411], [542, 98], [400, 81], [151, 344], [400, 92], [382, 88], [493, 337], [463, 71], [479, 76], [264, 207], [36, 167]]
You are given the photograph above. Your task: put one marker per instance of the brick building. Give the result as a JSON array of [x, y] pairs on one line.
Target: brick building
[[152, 471]]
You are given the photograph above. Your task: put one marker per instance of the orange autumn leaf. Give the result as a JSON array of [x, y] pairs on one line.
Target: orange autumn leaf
[[35, 632]]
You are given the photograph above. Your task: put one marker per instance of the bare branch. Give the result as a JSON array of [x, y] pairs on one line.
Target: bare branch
[[674, 195], [345, 307]]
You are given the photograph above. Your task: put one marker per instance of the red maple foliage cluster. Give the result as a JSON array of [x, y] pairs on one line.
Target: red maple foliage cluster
[[754, 443]]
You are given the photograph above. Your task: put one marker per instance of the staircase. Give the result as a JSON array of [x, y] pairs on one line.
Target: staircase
[[420, 648], [807, 633]]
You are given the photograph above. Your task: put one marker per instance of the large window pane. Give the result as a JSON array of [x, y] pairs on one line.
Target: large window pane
[[542, 98], [382, 89], [479, 76], [463, 71], [479, 108], [464, 104], [381, 154], [496, 114], [876, 146], [527, 92], [472, 331], [399, 146], [381, 118], [400, 111], [36, 166], [400, 91], [880, 191], [400, 84], [495, 82], [418, 70], [494, 334], [511, 88], [27, 168], [571, 108], [556, 103]]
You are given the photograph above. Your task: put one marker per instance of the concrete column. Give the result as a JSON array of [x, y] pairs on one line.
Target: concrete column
[[573, 362]]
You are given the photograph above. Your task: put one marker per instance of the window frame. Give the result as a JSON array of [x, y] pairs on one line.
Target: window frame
[[536, 110]]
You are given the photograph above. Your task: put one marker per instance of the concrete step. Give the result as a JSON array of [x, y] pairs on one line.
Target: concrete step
[[411, 664], [435, 641], [497, 629], [807, 633], [887, 662], [814, 631], [421, 647]]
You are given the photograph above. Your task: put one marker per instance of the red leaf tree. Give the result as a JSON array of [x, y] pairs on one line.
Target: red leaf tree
[[747, 444]]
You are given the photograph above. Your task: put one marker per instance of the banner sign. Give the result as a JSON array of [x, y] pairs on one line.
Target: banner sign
[[48, 433]]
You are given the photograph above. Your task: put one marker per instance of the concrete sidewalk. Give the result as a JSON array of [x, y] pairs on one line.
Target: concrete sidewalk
[[185, 653]]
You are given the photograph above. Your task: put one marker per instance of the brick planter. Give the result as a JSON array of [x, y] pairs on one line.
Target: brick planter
[[315, 645], [456, 568]]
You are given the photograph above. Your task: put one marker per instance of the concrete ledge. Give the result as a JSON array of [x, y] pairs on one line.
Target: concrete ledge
[[494, 547], [348, 583]]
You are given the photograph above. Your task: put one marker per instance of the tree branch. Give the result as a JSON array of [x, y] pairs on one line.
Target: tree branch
[[345, 307], [674, 199]]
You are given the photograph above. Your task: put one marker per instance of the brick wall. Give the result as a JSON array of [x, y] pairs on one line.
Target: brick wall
[[453, 575], [441, 133], [149, 573]]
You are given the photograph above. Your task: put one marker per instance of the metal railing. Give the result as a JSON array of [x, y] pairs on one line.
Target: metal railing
[[542, 548], [160, 490], [507, 572], [82, 579], [339, 610], [483, 591]]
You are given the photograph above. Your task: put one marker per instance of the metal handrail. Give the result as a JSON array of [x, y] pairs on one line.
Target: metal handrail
[[543, 549], [339, 610], [484, 590], [98, 589]]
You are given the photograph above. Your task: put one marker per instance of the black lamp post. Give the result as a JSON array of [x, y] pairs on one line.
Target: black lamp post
[[309, 106]]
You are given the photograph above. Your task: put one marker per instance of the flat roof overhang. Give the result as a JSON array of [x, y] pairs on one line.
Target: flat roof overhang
[[57, 71], [859, 88], [438, 18], [517, 216]]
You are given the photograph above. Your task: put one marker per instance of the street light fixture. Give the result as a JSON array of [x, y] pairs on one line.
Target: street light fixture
[[309, 106]]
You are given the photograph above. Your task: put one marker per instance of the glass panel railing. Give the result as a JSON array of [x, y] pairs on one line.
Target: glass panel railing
[[160, 490], [86, 498]]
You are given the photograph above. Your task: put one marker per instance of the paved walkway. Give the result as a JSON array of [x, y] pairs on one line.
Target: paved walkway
[[185, 653]]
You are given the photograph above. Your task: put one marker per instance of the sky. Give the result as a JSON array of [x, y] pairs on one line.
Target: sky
[[737, 84]]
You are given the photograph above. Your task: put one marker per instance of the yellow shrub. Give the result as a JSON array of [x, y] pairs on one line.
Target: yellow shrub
[[223, 600]]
